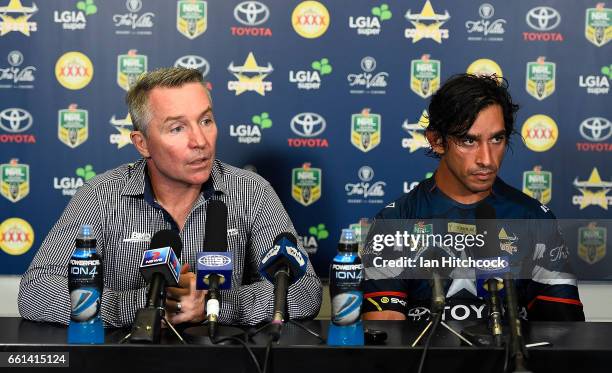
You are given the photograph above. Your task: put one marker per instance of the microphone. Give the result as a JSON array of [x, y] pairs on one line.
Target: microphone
[[489, 280], [214, 270], [160, 268], [282, 265]]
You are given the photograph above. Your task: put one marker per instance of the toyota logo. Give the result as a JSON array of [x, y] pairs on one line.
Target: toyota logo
[[543, 18], [596, 129], [214, 260], [15, 120], [193, 62], [366, 173], [308, 124], [251, 13]]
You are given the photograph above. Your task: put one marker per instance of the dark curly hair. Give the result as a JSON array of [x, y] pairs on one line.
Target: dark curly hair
[[455, 106]]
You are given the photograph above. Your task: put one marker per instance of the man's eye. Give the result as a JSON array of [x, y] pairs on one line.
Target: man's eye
[[497, 140], [176, 129], [468, 142], [206, 121]]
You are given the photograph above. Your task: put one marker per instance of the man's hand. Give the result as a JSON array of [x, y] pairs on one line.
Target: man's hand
[[192, 307]]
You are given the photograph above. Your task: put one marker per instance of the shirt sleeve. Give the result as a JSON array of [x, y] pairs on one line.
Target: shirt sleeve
[[253, 303], [552, 295], [43, 291]]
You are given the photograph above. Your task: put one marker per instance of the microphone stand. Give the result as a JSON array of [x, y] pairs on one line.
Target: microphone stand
[[437, 308], [518, 352]]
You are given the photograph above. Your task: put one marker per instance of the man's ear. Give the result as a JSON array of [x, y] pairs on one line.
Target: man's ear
[[435, 140], [140, 142]]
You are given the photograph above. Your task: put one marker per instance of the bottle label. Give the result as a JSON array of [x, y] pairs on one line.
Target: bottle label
[[85, 303], [85, 282], [346, 307]]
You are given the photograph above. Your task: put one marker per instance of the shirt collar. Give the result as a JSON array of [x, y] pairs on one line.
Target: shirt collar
[[432, 187], [138, 183]]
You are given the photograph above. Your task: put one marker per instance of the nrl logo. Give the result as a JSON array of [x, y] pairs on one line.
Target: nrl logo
[[540, 78], [191, 18], [592, 243], [424, 76], [129, 67], [365, 130], [427, 24], [537, 184], [72, 126], [598, 25], [14, 180], [306, 184]]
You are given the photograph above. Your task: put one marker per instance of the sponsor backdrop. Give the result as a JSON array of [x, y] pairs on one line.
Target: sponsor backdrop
[[327, 100]]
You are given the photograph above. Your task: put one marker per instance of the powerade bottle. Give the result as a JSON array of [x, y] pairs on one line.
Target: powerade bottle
[[85, 283], [346, 328]]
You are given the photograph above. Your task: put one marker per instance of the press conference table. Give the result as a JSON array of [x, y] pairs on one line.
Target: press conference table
[[577, 347]]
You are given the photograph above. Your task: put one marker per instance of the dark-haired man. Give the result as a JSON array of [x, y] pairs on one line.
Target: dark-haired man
[[168, 188], [471, 119]]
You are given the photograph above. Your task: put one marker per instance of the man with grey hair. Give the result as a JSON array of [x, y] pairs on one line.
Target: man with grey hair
[[169, 188]]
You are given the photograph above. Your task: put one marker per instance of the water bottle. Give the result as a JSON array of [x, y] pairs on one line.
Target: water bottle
[[85, 283], [346, 272]]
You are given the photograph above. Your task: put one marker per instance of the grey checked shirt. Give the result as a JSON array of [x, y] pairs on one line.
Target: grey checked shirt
[[119, 206]]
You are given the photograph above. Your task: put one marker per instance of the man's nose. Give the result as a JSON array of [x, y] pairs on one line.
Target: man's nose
[[483, 154], [198, 138]]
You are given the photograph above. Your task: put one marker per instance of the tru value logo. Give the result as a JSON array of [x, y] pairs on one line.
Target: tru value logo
[[251, 133], [365, 25], [311, 79]]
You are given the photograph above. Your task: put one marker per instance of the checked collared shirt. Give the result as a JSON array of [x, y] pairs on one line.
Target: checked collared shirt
[[120, 207]]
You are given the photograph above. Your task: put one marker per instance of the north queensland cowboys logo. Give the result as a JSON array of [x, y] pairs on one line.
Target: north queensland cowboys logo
[[417, 132], [72, 126], [306, 184], [191, 18], [16, 17], [426, 24], [129, 67], [594, 191], [124, 127], [250, 77], [540, 78], [14, 180], [424, 76], [365, 130], [598, 25], [538, 184], [592, 243]]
